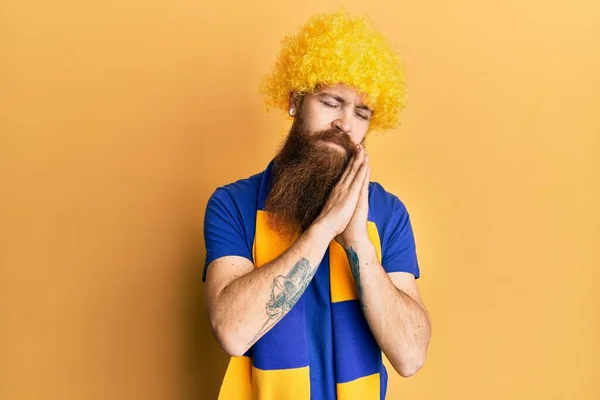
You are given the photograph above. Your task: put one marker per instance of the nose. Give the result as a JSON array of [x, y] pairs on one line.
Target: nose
[[343, 123]]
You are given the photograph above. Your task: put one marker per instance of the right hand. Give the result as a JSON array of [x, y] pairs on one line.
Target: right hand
[[340, 206]]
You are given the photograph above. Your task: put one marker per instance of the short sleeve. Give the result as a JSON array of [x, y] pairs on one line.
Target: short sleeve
[[224, 233], [398, 244]]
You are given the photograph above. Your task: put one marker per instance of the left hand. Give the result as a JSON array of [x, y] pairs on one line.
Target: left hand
[[356, 230]]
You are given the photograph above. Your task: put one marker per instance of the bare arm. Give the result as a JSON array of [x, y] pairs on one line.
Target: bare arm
[[244, 303], [391, 303], [393, 308]]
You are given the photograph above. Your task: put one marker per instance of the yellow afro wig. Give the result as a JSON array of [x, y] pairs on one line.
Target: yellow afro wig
[[337, 48]]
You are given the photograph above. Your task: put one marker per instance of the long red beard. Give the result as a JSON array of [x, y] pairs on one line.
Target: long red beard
[[304, 174]]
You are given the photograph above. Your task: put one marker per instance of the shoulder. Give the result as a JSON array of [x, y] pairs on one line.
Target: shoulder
[[393, 225], [389, 214], [384, 203], [240, 194], [230, 220], [234, 205], [242, 188]]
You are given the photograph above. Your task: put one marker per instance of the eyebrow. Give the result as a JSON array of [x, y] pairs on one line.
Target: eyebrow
[[343, 101]]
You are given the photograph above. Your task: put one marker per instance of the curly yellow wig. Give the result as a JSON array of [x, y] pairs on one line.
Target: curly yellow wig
[[337, 48]]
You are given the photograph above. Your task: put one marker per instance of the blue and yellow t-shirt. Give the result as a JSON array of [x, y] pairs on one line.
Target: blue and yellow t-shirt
[[229, 230]]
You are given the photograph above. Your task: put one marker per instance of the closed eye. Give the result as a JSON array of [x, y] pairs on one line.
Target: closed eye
[[331, 105]]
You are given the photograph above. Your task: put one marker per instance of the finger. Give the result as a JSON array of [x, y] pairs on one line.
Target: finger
[[349, 166], [347, 170], [365, 187], [365, 182], [358, 161], [359, 179], [363, 199]]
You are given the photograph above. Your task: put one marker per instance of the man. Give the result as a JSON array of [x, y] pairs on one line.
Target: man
[[310, 267]]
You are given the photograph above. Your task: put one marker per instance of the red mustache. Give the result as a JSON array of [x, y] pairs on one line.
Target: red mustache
[[335, 136]]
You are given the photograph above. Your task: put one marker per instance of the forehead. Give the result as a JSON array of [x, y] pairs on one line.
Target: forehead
[[348, 93]]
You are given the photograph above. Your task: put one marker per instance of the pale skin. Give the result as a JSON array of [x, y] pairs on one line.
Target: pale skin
[[237, 293]]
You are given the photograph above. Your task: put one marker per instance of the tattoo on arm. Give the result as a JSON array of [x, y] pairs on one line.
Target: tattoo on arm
[[355, 269], [285, 293]]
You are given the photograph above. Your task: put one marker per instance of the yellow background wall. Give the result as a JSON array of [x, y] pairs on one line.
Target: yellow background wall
[[119, 118]]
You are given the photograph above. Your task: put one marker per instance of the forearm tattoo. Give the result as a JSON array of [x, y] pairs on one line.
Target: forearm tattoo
[[355, 269], [285, 293]]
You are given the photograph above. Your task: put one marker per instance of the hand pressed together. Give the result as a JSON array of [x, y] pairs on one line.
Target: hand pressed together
[[347, 208]]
